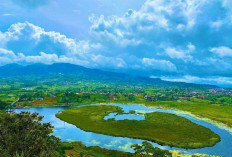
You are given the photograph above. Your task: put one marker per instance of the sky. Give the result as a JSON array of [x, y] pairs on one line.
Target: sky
[[176, 40]]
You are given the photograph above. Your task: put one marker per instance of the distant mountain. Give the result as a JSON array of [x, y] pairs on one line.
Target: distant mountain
[[14, 70], [76, 72], [9, 68]]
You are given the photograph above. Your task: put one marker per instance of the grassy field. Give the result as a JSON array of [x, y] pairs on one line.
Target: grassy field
[[47, 101], [163, 128], [221, 114]]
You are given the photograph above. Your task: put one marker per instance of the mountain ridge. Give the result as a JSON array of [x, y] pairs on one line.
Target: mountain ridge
[[80, 72]]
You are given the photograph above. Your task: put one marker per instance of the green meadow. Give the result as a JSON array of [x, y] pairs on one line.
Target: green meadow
[[163, 128]]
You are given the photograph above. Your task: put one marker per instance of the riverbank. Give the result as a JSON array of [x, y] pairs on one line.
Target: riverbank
[[163, 128]]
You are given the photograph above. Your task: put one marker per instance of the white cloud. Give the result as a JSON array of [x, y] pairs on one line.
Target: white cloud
[[108, 62], [176, 31], [191, 47], [7, 14], [108, 30], [162, 65], [32, 33], [222, 51], [49, 59], [31, 43], [179, 54], [6, 53], [3, 39], [221, 81], [217, 24], [7, 56]]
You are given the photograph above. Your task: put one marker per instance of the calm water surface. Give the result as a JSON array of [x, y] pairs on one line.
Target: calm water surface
[[69, 132]]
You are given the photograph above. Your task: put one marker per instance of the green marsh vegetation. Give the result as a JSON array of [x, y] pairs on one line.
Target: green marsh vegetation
[[163, 128], [214, 112]]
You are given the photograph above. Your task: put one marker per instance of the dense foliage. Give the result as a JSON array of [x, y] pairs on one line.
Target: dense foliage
[[147, 149], [24, 135], [77, 149], [4, 105]]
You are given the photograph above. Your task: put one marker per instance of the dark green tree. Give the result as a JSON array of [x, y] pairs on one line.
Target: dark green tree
[[24, 133], [4, 105], [147, 149]]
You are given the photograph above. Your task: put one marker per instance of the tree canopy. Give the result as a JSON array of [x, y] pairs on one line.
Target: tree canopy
[[147, 149], [24, 134], [4, 105]]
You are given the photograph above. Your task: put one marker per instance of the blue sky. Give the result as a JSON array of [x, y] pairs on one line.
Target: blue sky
[[179, 40]]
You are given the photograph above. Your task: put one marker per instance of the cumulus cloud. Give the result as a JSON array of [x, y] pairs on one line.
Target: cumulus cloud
[[36, 39], [108, 62], [179, 54], [6, 56], [25, 42], [6, 53], [180, 32], [28, 43], [158, 64], [222, 51], [157, 18]]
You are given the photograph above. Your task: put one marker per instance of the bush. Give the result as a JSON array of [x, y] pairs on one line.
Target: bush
[[64, 146]]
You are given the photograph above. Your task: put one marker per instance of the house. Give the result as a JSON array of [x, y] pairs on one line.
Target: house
[[201, 96]]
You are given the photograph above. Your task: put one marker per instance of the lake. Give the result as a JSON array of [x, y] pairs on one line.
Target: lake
[[68, 132]]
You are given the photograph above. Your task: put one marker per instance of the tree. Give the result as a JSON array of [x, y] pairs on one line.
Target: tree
[[24, 135], [147, 149], [138, 149], [4, 105]]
